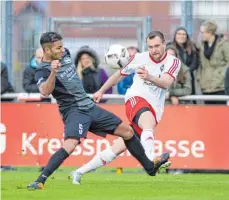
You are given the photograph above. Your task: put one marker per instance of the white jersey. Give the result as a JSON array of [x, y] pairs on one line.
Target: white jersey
[[154, 95]]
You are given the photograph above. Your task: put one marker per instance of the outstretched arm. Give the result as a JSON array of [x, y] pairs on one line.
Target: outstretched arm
[[120, 74], [113, 80], [116, 77]]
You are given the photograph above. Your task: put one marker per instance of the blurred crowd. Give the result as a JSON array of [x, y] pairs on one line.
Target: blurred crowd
[[205, 67]]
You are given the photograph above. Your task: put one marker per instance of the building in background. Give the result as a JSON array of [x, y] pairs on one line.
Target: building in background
[[32, 18], [203, 10]]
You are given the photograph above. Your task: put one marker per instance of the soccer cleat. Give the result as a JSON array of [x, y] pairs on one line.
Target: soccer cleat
[[161, 162], [76, 177], [35, 186]]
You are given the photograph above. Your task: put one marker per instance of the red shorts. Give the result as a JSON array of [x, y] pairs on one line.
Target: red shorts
[[133, 105]]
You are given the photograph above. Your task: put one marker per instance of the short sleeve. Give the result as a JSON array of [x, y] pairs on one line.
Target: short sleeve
[[131, 66], [41, 76], [173, 67]]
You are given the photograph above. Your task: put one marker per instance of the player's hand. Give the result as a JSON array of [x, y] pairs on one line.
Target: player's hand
[[174, 100], [143, 73], [55, 65], [97, 96], [167, 95]]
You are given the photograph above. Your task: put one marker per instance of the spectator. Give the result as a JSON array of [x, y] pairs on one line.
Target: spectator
[[182, 85], [124, 84], [5, 84], [133, 50], [214, 55], [187, 52], [227, 82], [29, 82], [87, 63]]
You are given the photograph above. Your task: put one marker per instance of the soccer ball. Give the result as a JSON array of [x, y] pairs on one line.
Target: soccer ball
[[117, 56]]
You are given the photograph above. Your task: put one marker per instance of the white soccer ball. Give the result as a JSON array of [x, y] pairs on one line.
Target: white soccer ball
[[117, 56]]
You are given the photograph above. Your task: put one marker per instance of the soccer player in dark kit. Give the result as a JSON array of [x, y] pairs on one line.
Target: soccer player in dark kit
[[57, 75]]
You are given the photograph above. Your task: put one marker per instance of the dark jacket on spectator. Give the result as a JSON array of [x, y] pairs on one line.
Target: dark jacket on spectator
[[5, 84], [227, 82], [93, 80], [29, 82], [189, 55], [94, 77]]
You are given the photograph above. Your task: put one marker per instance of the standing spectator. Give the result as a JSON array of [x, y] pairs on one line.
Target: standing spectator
[[187, 52], [182, 85], [29, 82], [5, 84], [227, 82], [87, 63], [214, 55], [124, 84]]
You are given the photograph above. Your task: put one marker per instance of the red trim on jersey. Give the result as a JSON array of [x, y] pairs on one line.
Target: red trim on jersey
[[126, 66], [174, 66], [149, 138], [157, 61], [174, 62], [133, 105], [170, 75]]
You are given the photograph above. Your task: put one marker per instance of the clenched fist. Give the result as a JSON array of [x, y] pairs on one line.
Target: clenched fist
[[55, 65], [97, 96], [143, 73]]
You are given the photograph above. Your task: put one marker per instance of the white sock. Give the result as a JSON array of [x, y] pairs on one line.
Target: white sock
[[102, 158], [147, 140]]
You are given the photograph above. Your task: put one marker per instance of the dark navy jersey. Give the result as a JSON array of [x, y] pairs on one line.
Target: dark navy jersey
[[68, 89]]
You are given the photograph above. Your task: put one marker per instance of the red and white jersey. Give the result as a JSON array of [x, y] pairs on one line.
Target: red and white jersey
[[154, 95]]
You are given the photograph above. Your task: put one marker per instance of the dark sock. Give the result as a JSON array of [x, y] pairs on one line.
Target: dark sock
[[135, 148], [54, 162]]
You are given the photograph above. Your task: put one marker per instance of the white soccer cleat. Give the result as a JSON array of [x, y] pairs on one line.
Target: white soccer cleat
[[165, 166], [76, 177]]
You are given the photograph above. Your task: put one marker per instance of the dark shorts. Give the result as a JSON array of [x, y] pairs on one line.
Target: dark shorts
[[77, 122]]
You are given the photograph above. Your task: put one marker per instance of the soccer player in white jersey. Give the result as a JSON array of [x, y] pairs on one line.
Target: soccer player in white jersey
[[155, 71]]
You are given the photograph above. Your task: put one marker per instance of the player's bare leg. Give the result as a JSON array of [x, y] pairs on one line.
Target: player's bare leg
[[108, 155], [54, 162], [145, 121], [102, 158], [134, 146]]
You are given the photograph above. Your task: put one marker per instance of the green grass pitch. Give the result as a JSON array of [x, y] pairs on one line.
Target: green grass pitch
[[110, 186]]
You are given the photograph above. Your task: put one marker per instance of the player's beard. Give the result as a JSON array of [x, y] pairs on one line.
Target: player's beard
[[157, 56], [56, 56]]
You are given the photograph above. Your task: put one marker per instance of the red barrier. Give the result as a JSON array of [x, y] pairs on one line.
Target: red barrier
[[196, 136]]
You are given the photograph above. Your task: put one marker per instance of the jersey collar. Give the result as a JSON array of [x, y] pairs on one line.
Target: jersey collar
[[157, 61]]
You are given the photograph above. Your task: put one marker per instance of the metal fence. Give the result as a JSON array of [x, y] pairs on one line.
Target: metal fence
[[37, 97], [21, 33]]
